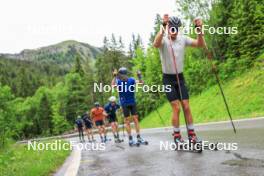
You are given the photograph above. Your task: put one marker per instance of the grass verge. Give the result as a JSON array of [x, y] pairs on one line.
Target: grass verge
[[17, 160]]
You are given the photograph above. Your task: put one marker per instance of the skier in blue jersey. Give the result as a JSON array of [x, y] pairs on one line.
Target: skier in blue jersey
[[126, 87]]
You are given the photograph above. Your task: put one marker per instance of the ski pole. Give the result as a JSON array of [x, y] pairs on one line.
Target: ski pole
[[209, 56], [177, 77], [123, 126], [162, 121], [139, 75]]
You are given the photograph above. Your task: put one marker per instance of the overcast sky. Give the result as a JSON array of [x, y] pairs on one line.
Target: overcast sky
[[29, 24]]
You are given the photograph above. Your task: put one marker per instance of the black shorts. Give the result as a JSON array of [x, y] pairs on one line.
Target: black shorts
[[112, 119], [129, 109], [174, 94], [88, 125], [99, 123]]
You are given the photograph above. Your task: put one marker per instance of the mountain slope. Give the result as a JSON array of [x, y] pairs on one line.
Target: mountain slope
[[61, 53], [244, 94]]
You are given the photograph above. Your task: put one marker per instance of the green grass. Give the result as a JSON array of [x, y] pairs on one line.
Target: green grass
[[244, 94], [17, 160]]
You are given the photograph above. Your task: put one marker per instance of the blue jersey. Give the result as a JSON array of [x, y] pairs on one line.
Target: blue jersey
[[79, 123], [87, 120], [111, 109], [126, 91]]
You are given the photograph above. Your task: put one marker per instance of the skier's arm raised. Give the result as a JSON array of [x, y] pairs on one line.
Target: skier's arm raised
[[199, 42], [139, 81], [158, 39], [113, 83]]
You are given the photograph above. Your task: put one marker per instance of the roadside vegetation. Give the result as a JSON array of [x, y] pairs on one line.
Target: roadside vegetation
[[244, 94], [17, 160]]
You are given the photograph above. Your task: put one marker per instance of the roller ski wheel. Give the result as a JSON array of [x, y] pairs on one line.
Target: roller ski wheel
[[145, 143], [142, 141], [194, 148], [181, 144], [133, 143]]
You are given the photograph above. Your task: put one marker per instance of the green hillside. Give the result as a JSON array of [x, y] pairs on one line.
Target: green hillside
[[244, 94]]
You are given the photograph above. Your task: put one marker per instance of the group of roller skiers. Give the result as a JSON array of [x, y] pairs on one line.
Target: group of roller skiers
[[171, 44], [97, 117]]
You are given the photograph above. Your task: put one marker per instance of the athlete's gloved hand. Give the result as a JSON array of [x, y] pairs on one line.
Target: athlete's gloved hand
[[115, 73], [139, 75], [198, 23], [165, 20]]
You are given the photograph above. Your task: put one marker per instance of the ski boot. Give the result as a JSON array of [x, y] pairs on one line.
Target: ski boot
[[192, 137], [131, 142], [102, 140], [118, 139], [141, 140], [177, 137], [194, 142], [178, 140], [105, 139]]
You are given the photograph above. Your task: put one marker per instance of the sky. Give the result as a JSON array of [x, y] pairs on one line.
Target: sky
[[30, 24]]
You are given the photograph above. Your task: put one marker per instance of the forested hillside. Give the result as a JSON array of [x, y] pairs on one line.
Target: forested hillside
[[25, 77]]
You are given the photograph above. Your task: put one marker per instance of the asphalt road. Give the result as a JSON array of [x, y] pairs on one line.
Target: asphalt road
[[122, 160]]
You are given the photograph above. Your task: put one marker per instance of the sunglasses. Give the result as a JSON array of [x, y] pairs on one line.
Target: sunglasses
[[173, 29]]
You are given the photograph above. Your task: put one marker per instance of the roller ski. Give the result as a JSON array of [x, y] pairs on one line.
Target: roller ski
[[191, 145], [194, 140], [104, 139], [133, 143], [194, 143], [141, 140], [119, 140], [107, 140]]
